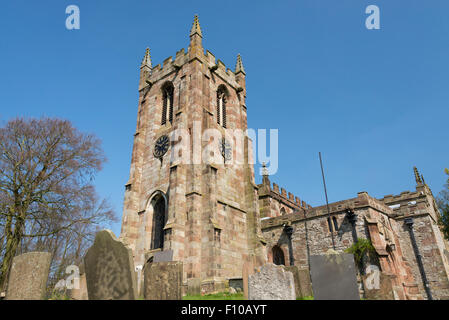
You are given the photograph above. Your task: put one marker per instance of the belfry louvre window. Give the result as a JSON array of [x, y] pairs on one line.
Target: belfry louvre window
[[167, 103], [221, 106]]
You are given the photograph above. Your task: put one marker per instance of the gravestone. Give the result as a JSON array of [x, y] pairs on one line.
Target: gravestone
[[193, 286], [305, 282], [109, 269], [271, 282], [303, 286], [334, 277], [163, 280], [150, 257], [28, 276]]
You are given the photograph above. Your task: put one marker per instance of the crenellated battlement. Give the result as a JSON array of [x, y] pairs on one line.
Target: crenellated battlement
[[404, 196], [363, 200], [170, 65], [210, 58], [221, 66], [167, 61], [408, 203], [195, 54], [180, 53], [283, 196], [290, 197]]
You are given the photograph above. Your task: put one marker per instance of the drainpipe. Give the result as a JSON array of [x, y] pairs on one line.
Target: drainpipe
[[289, 231], [352, 218], [409, 223]]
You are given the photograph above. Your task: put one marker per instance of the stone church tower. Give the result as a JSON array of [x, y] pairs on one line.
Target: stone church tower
[[206, 213]]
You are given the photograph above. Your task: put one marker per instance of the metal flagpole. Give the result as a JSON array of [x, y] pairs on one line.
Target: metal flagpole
[[327, 203]]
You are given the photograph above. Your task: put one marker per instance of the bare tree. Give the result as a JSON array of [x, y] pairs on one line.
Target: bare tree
[[68, 246], [47, 199]]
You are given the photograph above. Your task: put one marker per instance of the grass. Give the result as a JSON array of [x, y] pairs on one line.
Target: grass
[[227, 296], [216, 296], [305, 298], [55, 295]]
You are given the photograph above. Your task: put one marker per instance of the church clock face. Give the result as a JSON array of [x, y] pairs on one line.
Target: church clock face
[[161, 146]]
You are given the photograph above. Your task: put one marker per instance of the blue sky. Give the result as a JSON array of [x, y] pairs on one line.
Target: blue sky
[[374, 102]]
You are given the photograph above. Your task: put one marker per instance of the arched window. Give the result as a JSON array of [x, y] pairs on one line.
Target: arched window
[[167, 101], [283, 212], [278, 256], [159, 220], [221, 105]]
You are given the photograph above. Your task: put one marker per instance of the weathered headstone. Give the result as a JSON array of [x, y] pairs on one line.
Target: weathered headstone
[[28, 276], [152, 256], [334, 277], [193, 286], [271, 282], [163, 280], [109, 269], [302, 281], [305, 282]]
